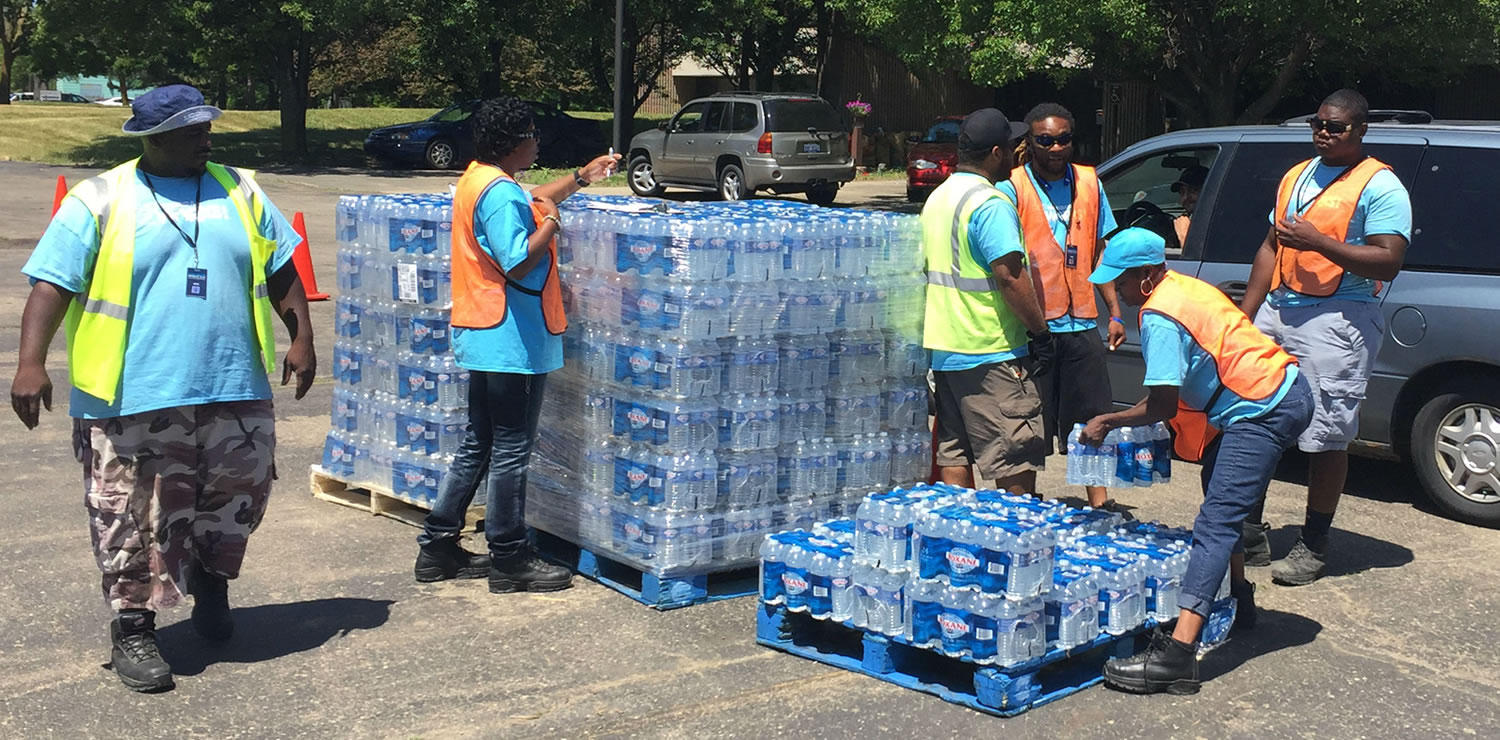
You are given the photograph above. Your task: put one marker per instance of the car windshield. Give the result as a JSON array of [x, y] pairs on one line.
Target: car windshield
[[801, 114], [942, 132], [454, 113]]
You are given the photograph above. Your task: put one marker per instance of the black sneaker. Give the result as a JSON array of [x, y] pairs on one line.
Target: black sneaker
[[1257, 545], [211, 619], [1114, 507], [445, 559], [134, 656], [1301, 566], [524, 571], [1165, 665], [1245, 614]]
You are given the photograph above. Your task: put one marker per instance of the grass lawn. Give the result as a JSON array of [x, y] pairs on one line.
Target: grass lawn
[[89, 135]]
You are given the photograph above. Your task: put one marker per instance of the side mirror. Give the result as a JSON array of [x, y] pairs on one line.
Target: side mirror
[[662, 125], [913, 138]]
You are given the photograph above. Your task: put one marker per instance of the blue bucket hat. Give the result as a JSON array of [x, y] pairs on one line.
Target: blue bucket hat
[[1132, 247], [168, 108]]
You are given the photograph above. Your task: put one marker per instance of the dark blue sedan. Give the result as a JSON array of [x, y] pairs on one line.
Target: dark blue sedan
[[446, 139]]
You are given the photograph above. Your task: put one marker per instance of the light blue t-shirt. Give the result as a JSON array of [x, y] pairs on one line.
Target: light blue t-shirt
[[1057, 203], [994, 231], [1174, 358], [180, 350], [520, 343], [1384, 207]]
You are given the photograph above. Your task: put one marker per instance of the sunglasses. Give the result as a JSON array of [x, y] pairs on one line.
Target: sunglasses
[[1046, 141], [1332, 127]]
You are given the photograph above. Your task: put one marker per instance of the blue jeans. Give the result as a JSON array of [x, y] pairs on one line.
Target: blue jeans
[[503, 413], [1237, 468]]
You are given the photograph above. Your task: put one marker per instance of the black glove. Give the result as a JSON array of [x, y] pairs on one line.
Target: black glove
[[1043, 352]]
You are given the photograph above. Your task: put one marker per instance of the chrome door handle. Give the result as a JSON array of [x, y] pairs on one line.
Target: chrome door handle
[[1234, 288]]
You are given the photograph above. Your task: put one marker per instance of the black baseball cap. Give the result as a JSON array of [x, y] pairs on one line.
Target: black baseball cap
[[1192, 176], [987, 128]]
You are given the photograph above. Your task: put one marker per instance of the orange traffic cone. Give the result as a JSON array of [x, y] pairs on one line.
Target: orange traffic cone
[[302, 259], [58, 194]]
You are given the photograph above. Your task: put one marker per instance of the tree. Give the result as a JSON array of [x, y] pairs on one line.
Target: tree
[[1218, 62], [17, 21], [140, 48], [758, 39]]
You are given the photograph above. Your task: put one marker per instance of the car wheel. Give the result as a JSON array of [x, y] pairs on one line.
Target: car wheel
[[732, 183], [643, 177], [822, 195], [1455, 447], [916, 195], [440, 154]]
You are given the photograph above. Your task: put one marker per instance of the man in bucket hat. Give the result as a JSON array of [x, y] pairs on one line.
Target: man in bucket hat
[[168, 272]]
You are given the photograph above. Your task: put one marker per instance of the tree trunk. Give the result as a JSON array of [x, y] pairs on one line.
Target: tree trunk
[[489, 77], [221, 90], [294, 97], [6, 60]]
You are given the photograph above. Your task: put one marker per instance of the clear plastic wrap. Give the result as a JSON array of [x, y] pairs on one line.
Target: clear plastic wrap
[[698, 409]]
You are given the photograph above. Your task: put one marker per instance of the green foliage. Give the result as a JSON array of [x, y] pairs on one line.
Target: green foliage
[[1218, 62]]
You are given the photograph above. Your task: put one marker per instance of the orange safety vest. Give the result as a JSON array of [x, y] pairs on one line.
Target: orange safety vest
[[1062, 288], [1248, 362], [1310, 273], [478, 282]]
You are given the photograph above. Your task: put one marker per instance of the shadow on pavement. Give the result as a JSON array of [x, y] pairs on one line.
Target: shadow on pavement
[[1387, 481], [271, 631], [1348, 552], [1275, 631]]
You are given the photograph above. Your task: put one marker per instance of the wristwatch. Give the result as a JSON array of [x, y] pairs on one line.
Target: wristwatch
[[578, 178]]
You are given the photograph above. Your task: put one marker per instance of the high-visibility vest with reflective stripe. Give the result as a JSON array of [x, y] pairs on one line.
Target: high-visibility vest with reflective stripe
[[478, 282], [965, 312], [98, 319], [1310, 273], [1062, 290], [1249, 363]]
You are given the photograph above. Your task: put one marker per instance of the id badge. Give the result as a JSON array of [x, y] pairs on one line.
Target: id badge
[[197, 283], [1071, 256]]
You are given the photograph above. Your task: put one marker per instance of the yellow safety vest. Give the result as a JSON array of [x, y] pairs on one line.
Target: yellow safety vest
[[98, 319], [965, 311]]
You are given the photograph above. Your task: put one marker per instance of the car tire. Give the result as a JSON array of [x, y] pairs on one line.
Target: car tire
[[441, 154], [1455, 447], [822, 195], [642, 177], [732, 183]]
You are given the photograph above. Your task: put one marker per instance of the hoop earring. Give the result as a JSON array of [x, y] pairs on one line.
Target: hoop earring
[[1144, 290]]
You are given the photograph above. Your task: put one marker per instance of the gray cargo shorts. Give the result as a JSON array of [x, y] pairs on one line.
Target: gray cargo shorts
[[1335, 343]]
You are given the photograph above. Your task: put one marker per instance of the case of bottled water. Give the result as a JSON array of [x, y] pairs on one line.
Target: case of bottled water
[[1128, 456], [757, 365], [400, 402]]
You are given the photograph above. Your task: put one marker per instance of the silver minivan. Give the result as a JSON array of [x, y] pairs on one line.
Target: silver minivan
[[1433, 399], [742, 142]]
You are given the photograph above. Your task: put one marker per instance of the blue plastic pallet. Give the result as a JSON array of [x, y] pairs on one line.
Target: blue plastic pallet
[[657, 592], [1005, 692]]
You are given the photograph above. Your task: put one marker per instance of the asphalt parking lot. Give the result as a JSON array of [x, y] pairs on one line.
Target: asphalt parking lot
[[336, 640]]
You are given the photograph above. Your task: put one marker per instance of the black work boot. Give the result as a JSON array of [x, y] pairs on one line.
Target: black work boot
[[1244, 606], [524, 571], [1257, 545], [1303, 565], [135, 657], [1165, 665], [445, 559], [211, 618]]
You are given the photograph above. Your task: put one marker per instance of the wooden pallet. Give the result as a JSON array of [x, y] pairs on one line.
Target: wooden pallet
[[1005, 692], [378, 501], [656, 591]]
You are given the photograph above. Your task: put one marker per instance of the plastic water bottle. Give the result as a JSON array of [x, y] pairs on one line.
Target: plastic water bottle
[[772, 566], [1124, 470], [1162, 457], [1079, 472], [923, 606], [955, 622], [1145, 455], [841, 582]]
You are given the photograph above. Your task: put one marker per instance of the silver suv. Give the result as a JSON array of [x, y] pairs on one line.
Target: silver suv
[[740, 142], [1434, 394]]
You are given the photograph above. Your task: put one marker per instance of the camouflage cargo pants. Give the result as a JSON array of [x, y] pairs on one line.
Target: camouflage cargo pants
[[169, 488]]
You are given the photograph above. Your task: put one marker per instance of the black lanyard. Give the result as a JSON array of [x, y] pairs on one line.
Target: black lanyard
[[197, 201], [1308, 176]]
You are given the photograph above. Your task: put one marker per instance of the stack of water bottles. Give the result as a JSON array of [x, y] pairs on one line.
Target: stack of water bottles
[[1129, 456], [987, 576], [732, 369], [399, 401]]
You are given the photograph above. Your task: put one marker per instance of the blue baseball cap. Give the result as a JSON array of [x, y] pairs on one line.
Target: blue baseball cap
[[1132, 247], [168, 108]]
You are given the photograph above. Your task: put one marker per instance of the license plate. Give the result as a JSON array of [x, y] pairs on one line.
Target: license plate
[[812, 148]]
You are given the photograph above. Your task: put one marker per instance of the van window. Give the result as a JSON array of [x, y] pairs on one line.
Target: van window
[[718, 116], [1243, 205], [1454, 191], [744, 118], [801, 114], [1146, 194], [690, 120]]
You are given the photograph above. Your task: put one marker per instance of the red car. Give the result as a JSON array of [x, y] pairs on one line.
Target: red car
[[932, 158]]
